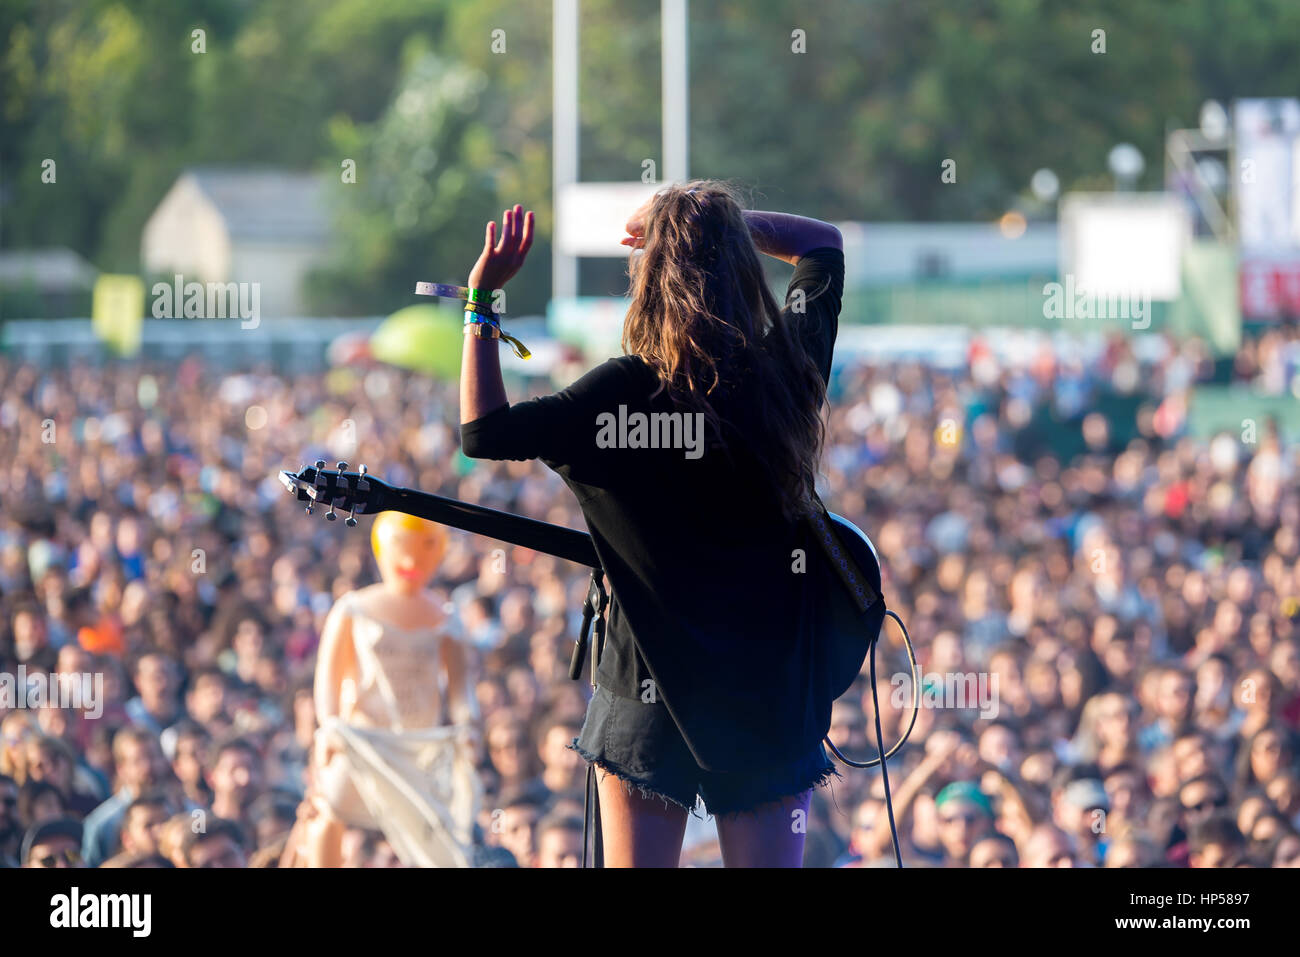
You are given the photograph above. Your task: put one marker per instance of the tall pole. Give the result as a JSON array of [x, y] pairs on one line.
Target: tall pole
[[674, 56], [564, 268]]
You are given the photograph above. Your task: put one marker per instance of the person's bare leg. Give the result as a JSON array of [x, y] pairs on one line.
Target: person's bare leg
[[638, 831], [771, 835]]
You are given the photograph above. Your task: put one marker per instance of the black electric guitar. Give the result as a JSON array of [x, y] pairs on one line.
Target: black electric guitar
[[360, 493]]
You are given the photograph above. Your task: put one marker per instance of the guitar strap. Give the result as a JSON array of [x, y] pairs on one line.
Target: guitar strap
[[859, 588], [593, 608]]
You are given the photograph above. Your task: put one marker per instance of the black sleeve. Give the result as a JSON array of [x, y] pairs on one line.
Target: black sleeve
[[559, 428], [819, 276]]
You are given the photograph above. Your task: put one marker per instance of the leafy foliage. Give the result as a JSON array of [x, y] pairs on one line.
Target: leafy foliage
[[447, 129]]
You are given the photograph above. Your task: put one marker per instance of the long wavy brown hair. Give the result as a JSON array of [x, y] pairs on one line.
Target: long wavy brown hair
[[703, 317]]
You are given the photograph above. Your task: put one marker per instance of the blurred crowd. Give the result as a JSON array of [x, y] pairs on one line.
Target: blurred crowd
[[1128, 614], [1270, 362]]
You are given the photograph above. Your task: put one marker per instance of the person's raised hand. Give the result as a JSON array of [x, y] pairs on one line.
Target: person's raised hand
[[500, 260], [967, 759], [993, 781], [940, 748], [636, 225]]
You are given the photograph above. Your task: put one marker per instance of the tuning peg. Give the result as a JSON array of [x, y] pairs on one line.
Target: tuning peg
[[343, 466], [330, 516], [352, 516], [320, 463]]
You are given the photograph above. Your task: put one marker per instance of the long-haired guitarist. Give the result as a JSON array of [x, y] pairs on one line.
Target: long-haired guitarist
[[693, 457]]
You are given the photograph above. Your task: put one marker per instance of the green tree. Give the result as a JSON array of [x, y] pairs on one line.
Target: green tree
[[425, 175]]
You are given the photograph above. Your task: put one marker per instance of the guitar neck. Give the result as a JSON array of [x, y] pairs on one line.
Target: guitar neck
[[567, 543]]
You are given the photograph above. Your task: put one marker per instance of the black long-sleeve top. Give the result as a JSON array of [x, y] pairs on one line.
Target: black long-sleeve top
[[709, 596]]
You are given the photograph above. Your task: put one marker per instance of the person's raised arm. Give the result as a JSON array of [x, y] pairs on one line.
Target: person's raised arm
[[879, 843], [787, 237], [481, 388], [782, 236]]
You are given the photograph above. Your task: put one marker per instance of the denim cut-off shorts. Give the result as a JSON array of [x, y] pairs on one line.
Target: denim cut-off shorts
[[638, 742]]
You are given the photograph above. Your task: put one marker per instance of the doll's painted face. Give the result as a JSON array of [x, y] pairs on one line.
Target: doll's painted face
[[408, 549]]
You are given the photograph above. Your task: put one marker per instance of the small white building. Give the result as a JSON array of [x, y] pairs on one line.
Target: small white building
[[240, 224]]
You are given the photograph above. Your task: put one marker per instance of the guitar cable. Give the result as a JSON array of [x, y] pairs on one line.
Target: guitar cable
[[880, 737]]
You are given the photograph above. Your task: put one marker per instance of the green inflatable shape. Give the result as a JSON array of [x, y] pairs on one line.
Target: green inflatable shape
[[423, 338]]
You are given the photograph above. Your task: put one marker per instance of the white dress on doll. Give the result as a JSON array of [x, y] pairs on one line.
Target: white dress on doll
[[396, 768]]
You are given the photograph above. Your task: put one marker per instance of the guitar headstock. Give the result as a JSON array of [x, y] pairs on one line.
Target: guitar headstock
[[352, 492]]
